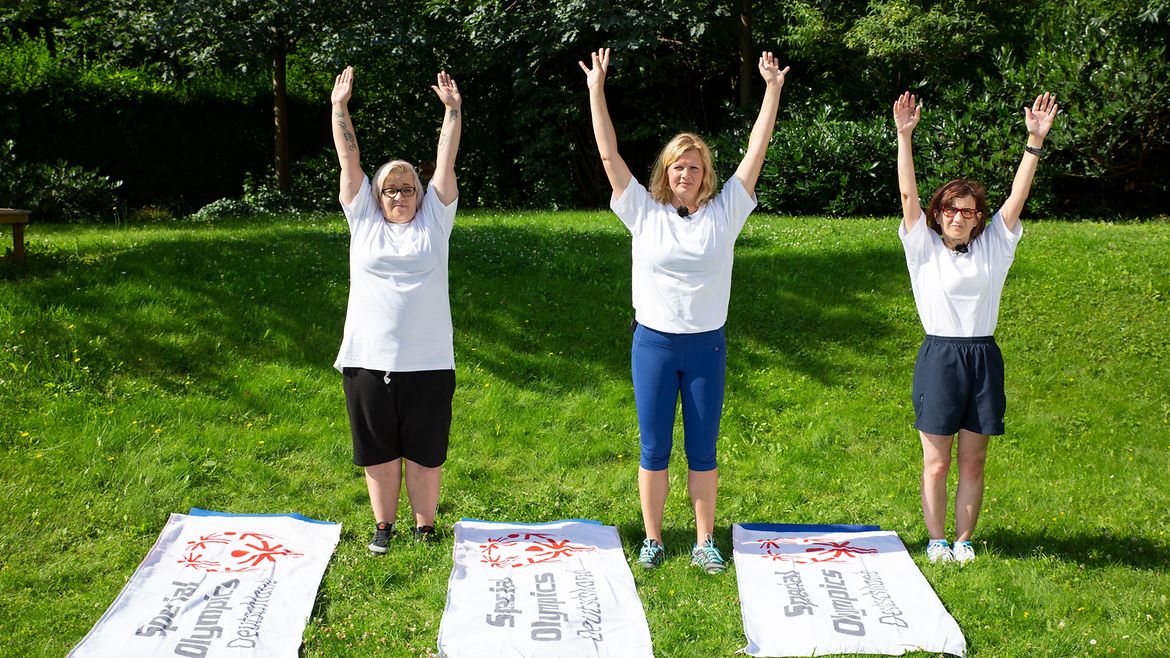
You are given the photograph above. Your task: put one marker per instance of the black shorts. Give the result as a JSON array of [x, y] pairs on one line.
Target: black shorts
[[958, 384], [399, 414]]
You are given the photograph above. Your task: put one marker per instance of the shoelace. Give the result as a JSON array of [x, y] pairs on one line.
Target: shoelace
[[648, 552], [710, 554]]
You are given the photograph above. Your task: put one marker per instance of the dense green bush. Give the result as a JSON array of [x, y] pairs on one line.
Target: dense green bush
[[258, 198], [1106, 60], [820, 164], [56, 192], [315, 181], [527, 137], [175, 145]]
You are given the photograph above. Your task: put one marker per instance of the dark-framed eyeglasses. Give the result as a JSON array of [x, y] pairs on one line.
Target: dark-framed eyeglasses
[[951, 211], [391, 192]]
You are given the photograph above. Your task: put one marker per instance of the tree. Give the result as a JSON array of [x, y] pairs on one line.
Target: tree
[[246, 34]]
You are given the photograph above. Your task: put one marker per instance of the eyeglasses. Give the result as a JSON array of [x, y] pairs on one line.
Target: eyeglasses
[[951, 211], [390, 192]]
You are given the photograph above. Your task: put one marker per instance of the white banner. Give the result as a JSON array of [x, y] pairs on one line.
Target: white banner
[[815, 590], [218, 585], [552, 589]]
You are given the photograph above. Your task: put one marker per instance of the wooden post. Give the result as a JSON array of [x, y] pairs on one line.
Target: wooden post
[[17, 218]]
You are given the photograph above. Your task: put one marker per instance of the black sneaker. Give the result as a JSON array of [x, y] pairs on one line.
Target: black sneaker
[[426, 534], [383, 532]]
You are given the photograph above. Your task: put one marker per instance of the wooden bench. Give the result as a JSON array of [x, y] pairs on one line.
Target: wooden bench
[[18, 218]]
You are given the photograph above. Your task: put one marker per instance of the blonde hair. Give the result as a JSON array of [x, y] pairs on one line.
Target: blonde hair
[[674, 149], [394, 167]]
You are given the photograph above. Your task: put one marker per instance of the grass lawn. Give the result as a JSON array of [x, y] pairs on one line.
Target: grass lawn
[[152, 368]]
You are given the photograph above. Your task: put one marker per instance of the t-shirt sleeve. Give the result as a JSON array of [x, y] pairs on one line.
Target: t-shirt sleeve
[[916, 241], [737, 203], [435, 211], [1002, 240], [633, 206], [361, 208]]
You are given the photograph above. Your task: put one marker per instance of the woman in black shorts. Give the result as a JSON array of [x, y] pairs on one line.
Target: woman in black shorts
[[397, 356], [958, 261]]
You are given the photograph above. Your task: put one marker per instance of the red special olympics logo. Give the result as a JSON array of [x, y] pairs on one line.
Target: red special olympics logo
[[234, 552], [522, 549], [815, 550]]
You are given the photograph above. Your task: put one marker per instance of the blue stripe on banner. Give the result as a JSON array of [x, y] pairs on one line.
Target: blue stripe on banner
[[197, 511], [806, 527], [589, 521]]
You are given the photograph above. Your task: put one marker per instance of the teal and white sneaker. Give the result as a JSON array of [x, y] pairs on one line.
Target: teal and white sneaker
[[939, 551], [651, 555], [964, 552], [707, 557]]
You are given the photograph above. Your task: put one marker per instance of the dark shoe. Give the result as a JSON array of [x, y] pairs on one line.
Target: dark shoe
[[383, 532], [426, 534]]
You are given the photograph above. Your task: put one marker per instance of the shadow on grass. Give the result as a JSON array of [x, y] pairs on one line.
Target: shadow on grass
[[169, 309], [522, 295], [1096, 550], [547, 309]]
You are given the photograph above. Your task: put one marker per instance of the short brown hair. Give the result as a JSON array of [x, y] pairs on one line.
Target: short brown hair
[[956, 189], [681, 143]]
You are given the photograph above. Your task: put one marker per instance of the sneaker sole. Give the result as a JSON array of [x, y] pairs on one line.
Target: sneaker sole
[[377, 550]]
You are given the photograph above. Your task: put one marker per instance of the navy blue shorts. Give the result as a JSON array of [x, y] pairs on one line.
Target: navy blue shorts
[[958, 384], [399, 414]]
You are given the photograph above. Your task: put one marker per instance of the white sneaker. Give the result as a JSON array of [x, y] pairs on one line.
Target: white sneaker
[[938, 550], [963, 552]]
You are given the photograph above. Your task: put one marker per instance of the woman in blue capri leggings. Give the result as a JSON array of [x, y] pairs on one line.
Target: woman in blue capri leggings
[[684, 231]]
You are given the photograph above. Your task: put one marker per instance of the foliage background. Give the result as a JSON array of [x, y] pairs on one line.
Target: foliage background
[[175, 99]]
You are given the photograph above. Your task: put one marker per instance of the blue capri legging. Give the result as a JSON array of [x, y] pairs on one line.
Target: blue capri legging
[[665, 365]]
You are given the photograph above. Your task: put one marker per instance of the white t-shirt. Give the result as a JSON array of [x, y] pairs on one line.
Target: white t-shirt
[[399, 312], [682, 266], [958, 294]]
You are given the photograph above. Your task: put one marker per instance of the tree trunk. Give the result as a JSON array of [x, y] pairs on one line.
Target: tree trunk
[[280, 114], [747, 54]]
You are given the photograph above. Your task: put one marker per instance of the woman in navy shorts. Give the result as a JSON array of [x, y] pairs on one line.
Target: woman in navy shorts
[[958, 261], [684, 230]]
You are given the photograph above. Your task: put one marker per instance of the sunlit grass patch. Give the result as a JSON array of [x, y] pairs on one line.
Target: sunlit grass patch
[[152, 368]]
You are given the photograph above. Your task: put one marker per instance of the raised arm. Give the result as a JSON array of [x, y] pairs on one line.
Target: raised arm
[[1038, 120], [343, 137], [444, 181], [906, 115], [615, 168], [749, 169]]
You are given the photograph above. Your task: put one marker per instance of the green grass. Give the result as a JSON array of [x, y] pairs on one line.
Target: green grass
[[151, 368]]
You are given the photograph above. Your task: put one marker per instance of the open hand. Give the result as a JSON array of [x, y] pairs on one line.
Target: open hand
[[342, 87], [595, 76], [447, 91], [770, 69], [906, 114], [1038, 118]]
